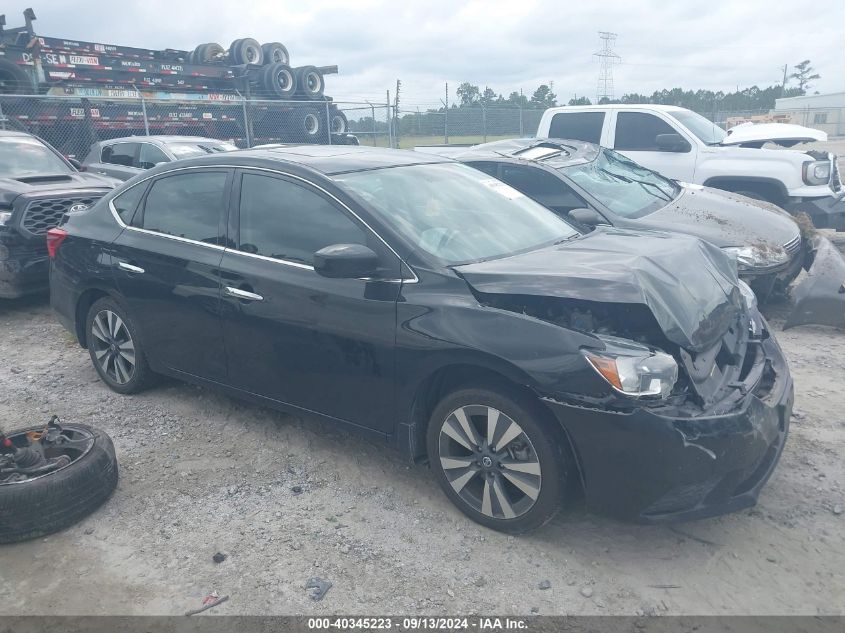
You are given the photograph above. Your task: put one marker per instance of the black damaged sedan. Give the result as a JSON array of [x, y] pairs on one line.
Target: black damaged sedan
[[428, 305]]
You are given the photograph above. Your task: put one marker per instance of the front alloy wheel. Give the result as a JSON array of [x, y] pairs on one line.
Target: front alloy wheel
[[113, 347], [498, 457]]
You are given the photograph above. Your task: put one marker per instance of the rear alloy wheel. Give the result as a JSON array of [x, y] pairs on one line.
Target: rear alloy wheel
[[113, 347], [497, 463]]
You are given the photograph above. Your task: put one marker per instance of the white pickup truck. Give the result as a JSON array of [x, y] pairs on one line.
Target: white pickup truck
[[685, 146]]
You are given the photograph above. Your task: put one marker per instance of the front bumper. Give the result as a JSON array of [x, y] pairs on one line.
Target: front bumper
[[645, 466], [826, 213], [24, 267]]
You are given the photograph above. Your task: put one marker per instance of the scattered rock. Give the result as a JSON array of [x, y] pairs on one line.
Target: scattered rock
[[771, 559], [535, 609], [837, 510], [296, 490], [318, 588], [545, 584], [89, 531], [219, 557], [587, 592]]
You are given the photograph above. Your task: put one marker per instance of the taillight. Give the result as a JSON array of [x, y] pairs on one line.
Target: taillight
[[55, 237]]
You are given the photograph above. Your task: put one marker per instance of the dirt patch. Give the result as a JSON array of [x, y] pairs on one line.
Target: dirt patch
[[287, 500]]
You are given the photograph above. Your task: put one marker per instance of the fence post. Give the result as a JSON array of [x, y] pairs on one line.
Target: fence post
[[2, 117], [247, 126], [521, 124], [373, 117], [446, 126], [329, 122], [484, 122], [143, 110]]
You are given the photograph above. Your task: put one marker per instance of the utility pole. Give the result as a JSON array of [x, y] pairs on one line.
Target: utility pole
[[783, 85], [607, 58], [396, 111], [446, 121]]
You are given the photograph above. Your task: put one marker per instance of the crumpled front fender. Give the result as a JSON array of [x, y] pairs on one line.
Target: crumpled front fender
[[820, 298]]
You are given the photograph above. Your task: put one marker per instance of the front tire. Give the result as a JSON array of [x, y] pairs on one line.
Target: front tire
[[115, 349], [497, 458]]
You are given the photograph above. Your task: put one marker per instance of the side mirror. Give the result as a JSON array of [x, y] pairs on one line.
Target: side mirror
[[587, 217], [76, 164], [345, 261], [671, 143]]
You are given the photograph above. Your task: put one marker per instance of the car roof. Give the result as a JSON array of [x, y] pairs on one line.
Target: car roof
[[162, 138], [16, 133], [570, 152], [326, 159], [618, 106]]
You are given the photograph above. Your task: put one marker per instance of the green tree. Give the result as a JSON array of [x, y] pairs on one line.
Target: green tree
[[543, 97], [804, 74], [517, 100], [468, 93], [580, 101], [488, 97]]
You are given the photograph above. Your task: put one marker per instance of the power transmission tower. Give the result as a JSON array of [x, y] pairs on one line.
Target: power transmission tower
[[607, 58]]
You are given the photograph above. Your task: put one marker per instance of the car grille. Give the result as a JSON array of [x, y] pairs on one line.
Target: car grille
[[793, 246], [44, 213]]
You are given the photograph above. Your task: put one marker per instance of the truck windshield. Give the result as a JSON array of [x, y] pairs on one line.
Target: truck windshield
[[456, 213], [626, 188], [707, 131], [191, 150], [22, 156]]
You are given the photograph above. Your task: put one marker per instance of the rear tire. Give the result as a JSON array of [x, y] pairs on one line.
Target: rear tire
[[309, 82], [207, 53], [338, 123], [115, 347], [511, 476], [275, 53], [47, 504], [277, 81], [246, 51]]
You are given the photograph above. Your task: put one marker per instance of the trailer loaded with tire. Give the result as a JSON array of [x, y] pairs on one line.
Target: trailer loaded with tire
[[210, 88]]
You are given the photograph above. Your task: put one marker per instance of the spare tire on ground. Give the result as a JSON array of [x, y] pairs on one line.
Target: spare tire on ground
[[275, 53], [246, 51], [205, 53], [14, 80], [51, 477], [309, 82]]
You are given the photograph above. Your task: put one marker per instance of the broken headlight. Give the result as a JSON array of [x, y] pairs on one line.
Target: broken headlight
[[5, 216], [752, 257], [748, 295], [633, 369], [816, 172]]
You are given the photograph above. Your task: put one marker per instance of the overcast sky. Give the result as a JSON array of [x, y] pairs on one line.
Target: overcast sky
[[506, 45]]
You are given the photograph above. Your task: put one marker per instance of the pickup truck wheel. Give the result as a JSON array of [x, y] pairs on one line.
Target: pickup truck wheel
[[497, 458]]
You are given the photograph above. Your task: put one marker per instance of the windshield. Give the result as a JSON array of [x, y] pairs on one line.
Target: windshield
[[456, 213], [22, 156], [200, 148], [707, 131], [626, 188]]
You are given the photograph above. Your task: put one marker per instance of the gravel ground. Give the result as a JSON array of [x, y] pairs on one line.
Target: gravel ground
[[286, 500]]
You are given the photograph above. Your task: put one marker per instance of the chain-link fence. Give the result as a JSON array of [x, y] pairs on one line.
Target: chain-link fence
[[73, 124]]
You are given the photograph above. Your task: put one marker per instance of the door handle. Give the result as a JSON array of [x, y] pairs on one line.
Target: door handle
[[237, 293], [130, 268]]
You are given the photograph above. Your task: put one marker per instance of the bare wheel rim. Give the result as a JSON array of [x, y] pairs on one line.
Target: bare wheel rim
[[489, 461], [284, 79], [113, 347], [314, 82]]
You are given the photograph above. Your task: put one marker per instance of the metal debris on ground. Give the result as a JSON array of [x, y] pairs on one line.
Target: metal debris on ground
[[209, 602], [318, 588], [820, 297]]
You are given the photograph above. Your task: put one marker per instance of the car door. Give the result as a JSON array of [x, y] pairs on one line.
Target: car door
[[635, 136], [167, 270], [119, 160], [325, 345]]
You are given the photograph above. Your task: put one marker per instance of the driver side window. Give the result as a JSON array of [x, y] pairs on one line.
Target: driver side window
[[284, 220], [543, 187]]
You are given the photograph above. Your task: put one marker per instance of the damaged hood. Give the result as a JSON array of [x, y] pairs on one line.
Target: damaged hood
[[688, 284], [785, 134]]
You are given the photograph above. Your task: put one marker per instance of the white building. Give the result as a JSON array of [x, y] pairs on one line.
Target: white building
[[822, 112]]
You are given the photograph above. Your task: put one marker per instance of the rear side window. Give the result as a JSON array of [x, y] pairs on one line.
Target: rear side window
[[637, 131], [284, 220], [150, 156], [187, 205], [579, 126], [120, 154], [126, 203]]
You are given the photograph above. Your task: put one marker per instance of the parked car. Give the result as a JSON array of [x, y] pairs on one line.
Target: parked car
[[421, 302], [685, 146], [126, 157], [591, 185], [37, 186]]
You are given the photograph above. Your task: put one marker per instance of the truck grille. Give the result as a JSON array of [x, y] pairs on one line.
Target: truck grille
[[835, 180], [793, 246], [45, 213]]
